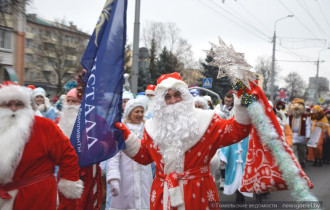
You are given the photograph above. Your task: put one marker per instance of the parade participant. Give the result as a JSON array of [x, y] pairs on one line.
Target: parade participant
[[280, 105], [301, 129], [200, 103], [91, 197], [326, 143], [150, 91], [125, 98], [130, 182], [320, 126], [234, 156], [182, 140], [226, 110], [43, 104], [30, 147], [209, 101]]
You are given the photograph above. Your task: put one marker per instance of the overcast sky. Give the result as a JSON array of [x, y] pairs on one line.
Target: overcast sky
[[246, 24]]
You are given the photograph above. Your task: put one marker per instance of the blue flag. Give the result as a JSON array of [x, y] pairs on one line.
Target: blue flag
[[94, 136]]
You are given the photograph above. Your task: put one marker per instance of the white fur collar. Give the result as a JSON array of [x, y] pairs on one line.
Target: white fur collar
[[203, 117]]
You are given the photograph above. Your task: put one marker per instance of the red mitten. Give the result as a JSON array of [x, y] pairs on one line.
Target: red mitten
[[122, 126]]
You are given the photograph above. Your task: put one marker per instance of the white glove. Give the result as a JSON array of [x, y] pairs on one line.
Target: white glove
[[114, 187], [283, 117], [240, 112]]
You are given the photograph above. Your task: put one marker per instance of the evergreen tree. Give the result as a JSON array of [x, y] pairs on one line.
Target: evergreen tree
[[153, 63], [144, 79], [127, 59], [167, 63], [220, 86]]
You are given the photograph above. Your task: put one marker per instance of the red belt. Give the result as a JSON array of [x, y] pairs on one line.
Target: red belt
[[4, 188], [172, 179]]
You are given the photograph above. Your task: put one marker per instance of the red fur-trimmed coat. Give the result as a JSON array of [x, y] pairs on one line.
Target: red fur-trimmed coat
[[46, 147], [195, 188]]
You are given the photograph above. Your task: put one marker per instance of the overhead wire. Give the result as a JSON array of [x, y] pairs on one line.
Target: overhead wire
[[285, 50], [298, 19], [311, 16], [235, 22], [325, 18], [254, 17], [242, 19]]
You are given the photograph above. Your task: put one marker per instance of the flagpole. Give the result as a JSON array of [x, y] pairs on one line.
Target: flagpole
[[135, 65]]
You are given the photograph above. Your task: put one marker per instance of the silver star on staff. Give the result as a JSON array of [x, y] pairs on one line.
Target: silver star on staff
[[231, 64]]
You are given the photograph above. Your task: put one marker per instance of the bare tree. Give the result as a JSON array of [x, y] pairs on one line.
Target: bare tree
[[264, 67], [295, 84], [59, 53], [168, 35], [13, 7]]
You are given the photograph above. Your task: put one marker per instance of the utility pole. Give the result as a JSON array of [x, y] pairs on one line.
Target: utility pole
[[317, 75], [272, 79], [135, 64], [272, 75]]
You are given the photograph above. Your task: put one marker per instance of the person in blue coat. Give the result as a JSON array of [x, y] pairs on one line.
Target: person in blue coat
[[234, 156]]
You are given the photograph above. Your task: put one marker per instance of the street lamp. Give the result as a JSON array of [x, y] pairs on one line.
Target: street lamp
[[273, 59], [126, 85], [317, 75]]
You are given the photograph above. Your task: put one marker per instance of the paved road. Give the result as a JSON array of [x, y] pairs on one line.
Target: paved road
[[320, 177]]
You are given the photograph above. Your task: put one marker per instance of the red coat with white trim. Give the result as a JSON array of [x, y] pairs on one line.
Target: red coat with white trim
[[47, 147], [195, 187]]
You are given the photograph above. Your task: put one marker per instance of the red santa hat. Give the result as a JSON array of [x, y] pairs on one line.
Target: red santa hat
[[150, 89], [170, 81], [12, 91]]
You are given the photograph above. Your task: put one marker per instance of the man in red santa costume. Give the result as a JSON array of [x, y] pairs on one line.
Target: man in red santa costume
[[30, 147], [181, 140], [91, 197]]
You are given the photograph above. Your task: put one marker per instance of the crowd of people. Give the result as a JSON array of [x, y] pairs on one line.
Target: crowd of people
[[181, 148]]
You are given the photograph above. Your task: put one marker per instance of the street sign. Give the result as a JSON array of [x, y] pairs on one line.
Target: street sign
[[207, 82], [321, 100]]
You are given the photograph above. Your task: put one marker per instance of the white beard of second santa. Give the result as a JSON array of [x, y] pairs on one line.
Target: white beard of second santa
[[15, 130], [68, 118], [176, 128]]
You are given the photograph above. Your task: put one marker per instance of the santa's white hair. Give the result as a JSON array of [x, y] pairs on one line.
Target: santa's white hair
[[15, 130], [176, 126], [68, 118]]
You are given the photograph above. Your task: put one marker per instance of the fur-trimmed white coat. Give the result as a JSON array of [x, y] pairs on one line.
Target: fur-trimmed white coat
[[135, 179]]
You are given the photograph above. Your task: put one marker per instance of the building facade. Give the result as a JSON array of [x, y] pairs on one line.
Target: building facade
[[12, 37], [53, 51]]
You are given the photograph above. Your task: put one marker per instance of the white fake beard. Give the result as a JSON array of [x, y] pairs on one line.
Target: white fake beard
[[176, 127], [68, 118], [15, 130]]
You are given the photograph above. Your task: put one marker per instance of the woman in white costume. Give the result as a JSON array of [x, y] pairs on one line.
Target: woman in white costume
[[130, 182]]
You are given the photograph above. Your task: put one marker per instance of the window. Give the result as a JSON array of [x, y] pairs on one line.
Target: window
[[29, 43], [51, 61], [31, 75], [6, 39], [5, 6], [28, 58], [49, 46], [68, 63]]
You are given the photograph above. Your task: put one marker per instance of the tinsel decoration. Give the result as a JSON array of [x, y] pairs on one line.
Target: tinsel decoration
[[234, 66], [247, 99], [69, 85], [81, 87], [239, 86], [270, 139]]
